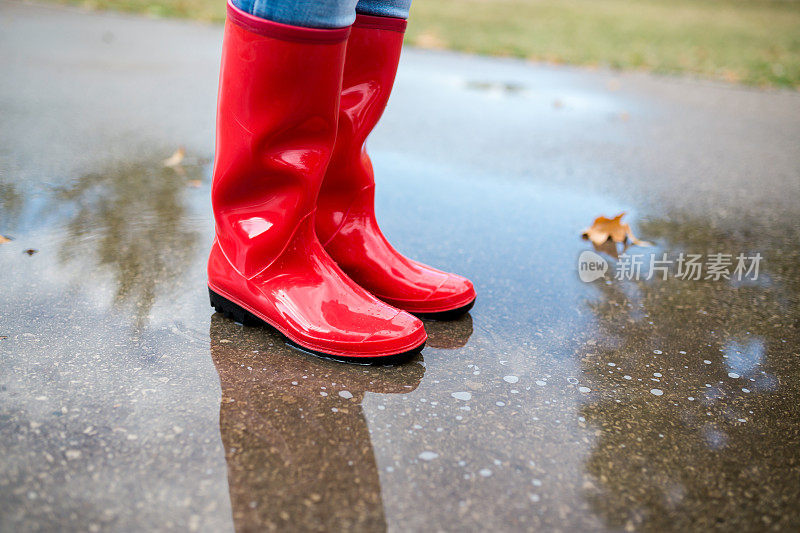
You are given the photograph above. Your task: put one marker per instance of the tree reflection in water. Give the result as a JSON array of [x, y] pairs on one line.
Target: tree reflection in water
[[132, 222], [697, 423], [11, 203]]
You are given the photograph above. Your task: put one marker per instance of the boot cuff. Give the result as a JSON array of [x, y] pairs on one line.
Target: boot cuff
[[286, 32], [380, 23]]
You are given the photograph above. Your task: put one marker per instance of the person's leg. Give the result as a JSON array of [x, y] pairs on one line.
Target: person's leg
[[384, 8], [305, 13], [278, 99], [345, 217]]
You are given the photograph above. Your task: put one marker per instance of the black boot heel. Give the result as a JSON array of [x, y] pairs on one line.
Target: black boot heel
[[233, 311]]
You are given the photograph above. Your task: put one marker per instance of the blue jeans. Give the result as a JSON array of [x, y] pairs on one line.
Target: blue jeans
[[322, 13]]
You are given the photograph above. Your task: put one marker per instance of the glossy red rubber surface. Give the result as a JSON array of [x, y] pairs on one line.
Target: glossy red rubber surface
[[276, 123], [345, 220]]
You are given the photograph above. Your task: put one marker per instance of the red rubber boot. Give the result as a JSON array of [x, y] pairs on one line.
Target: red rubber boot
[[345, 221], [276, 124]]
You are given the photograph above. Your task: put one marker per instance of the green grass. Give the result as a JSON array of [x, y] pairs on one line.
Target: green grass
[[749, 41]]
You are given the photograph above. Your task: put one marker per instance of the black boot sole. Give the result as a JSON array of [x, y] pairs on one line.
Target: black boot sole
[[239, 314], [452, 314]]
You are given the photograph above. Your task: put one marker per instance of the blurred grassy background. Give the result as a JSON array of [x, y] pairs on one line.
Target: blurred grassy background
[[755, 42]]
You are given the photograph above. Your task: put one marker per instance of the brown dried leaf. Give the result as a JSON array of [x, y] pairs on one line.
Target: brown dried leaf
[[175, 159], [4, 239], [634, 240], [30, 251], [604, 229]]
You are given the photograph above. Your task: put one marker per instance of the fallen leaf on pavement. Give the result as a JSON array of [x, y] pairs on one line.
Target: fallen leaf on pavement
[[4, 239], [604, 229], [175, 159], [30, 251]]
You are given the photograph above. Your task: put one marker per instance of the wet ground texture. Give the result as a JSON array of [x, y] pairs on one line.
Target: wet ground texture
[[652, 405]]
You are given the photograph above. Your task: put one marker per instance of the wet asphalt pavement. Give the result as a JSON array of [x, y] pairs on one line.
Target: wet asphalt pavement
[[651, 404]]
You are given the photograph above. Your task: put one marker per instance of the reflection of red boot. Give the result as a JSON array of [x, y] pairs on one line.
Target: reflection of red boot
[[276, 123], [346, 223], [299, 450]]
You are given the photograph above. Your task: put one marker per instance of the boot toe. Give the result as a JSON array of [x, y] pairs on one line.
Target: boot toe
[[457, 291], [372, 333], [444, 293], [402, 326]]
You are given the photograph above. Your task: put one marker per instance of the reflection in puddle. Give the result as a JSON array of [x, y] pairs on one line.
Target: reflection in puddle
[[744, 357], [132, 221], [449, 334], [11, 203], [298, 448], [495, 87], [711, 434], [296, 440]]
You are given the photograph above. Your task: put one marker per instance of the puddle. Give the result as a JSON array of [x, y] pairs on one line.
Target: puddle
[[128, 225], [510, 88], [585, 102], [611, 404], [709, 344]]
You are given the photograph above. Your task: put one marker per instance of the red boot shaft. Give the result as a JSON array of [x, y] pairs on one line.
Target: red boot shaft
[[276, 124], [345, 220]]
